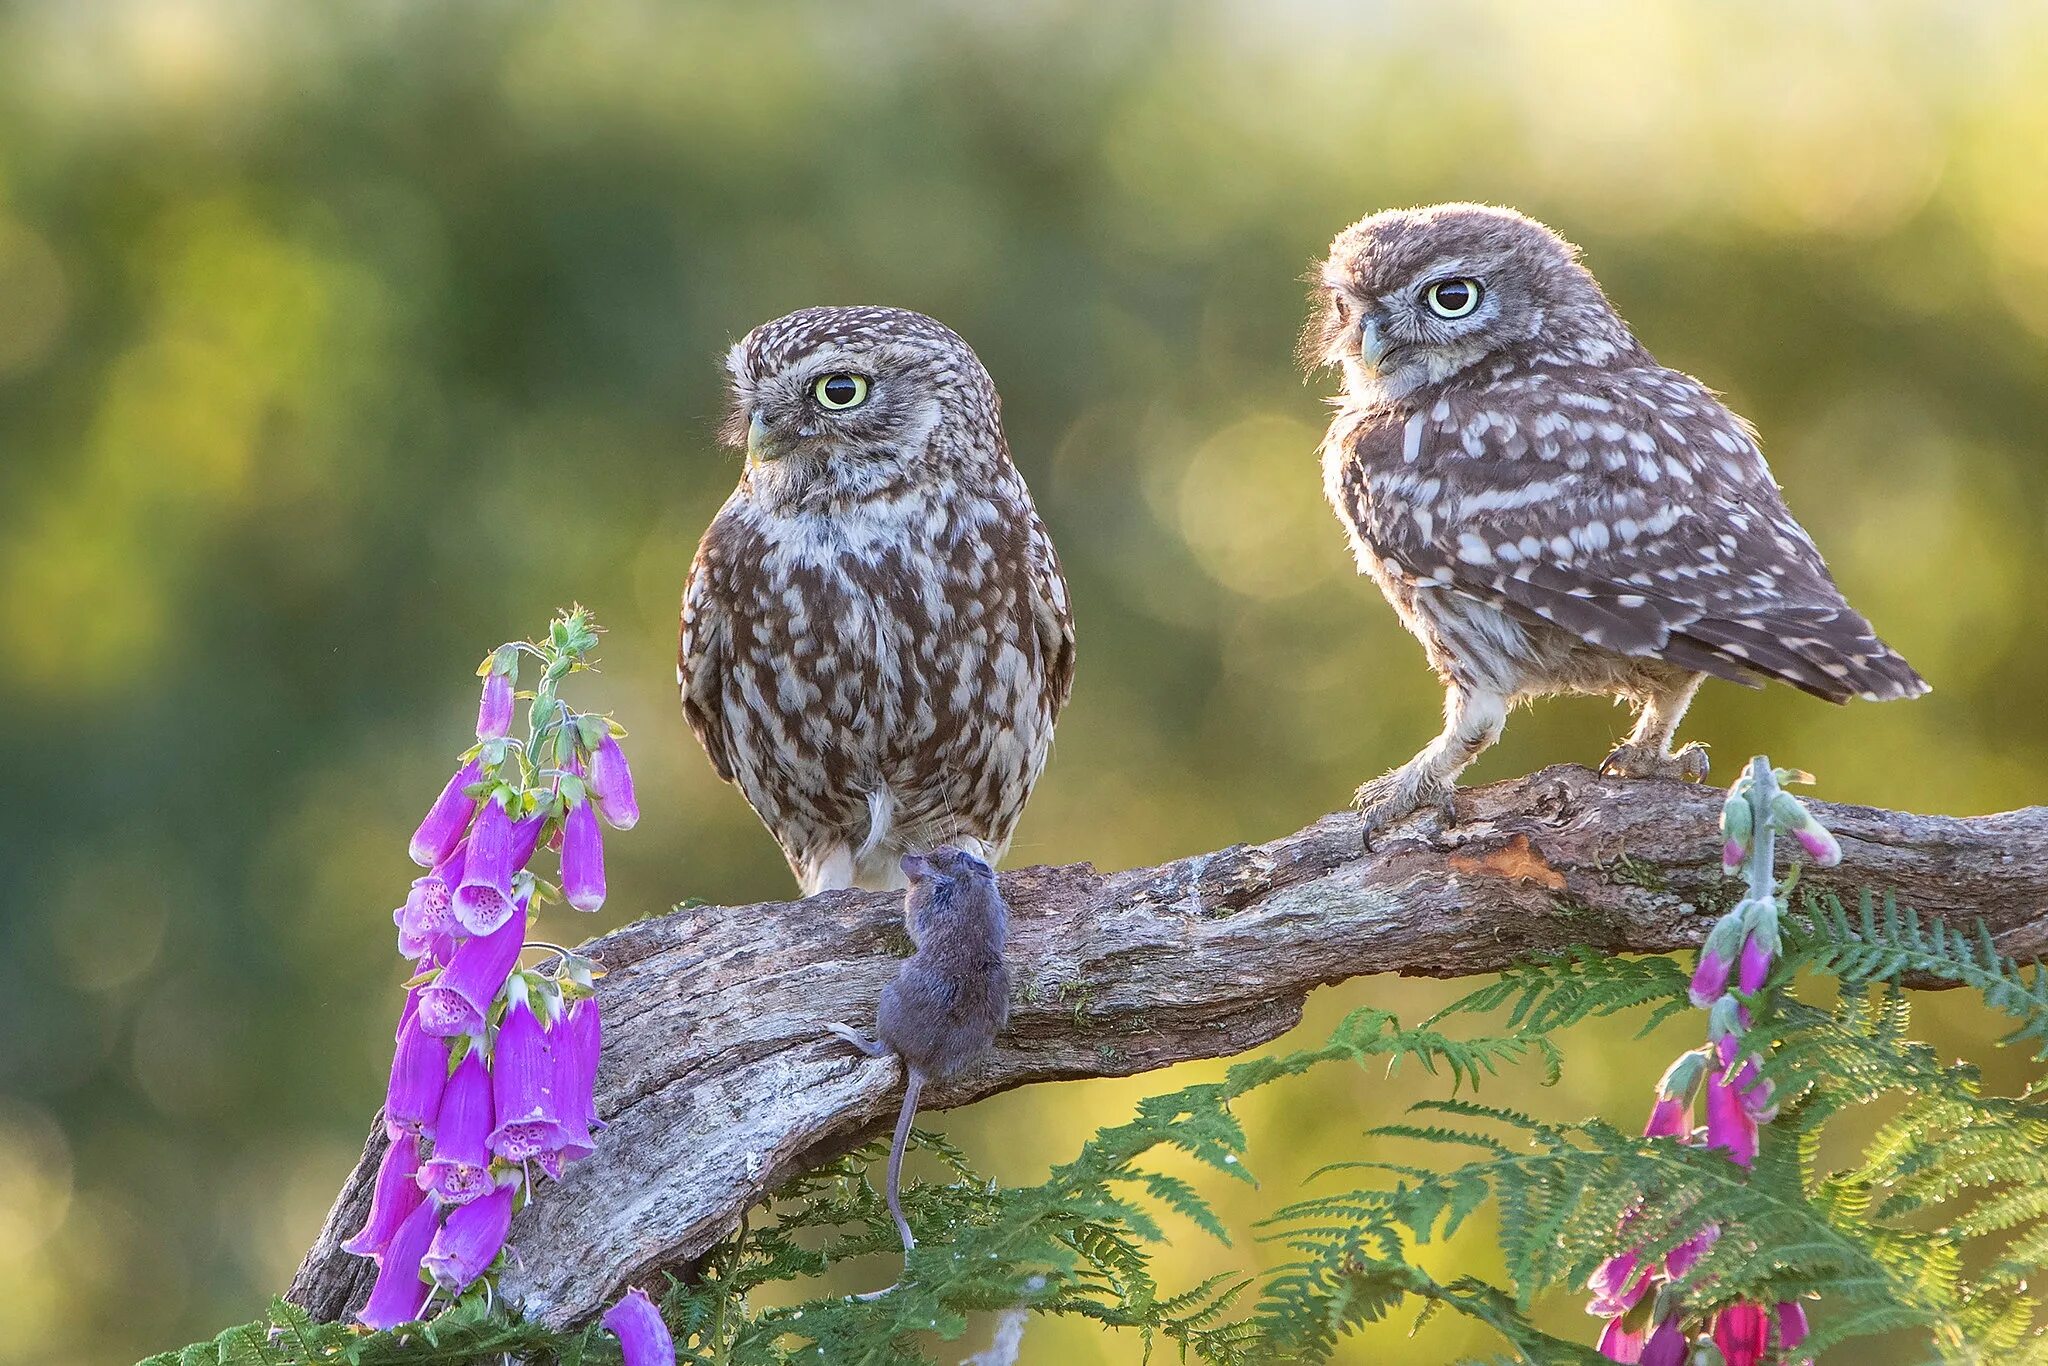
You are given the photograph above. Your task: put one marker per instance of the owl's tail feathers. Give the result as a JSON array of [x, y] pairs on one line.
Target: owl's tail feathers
[[1831, 653]]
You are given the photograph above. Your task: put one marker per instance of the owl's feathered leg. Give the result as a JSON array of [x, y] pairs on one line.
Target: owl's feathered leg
[[1473, 720], [1647, 752]]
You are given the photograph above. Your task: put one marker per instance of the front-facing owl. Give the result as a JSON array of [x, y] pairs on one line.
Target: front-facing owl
[[1547, 508], [875, 633]]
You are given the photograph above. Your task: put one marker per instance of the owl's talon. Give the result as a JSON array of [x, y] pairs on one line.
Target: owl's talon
[[1391, 797], [1687, 764]]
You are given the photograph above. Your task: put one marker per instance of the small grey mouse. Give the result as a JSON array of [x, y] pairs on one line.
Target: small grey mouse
[[951, 997]]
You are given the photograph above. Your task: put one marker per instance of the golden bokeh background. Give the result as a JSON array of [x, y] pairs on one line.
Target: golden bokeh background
[[339, 343]]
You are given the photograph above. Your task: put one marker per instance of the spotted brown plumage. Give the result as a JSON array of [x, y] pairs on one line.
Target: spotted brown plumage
[[876, 640], [1550, 510]]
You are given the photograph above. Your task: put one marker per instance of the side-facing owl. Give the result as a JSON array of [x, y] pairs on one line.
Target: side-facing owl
[[1547, 508], [875, 633]]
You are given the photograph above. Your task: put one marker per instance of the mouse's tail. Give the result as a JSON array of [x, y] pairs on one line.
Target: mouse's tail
[[911, 1087]]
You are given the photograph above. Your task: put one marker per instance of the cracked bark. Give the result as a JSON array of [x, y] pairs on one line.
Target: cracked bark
[[719, 1085]]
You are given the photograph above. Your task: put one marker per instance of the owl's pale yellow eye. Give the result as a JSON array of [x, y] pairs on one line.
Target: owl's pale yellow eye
[[1452, 298], [840, 391]]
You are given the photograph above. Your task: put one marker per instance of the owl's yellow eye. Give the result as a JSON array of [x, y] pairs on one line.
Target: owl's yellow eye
[[1452, 298], [840, 391]]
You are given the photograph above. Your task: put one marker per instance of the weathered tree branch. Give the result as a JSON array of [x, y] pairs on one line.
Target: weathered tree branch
[[719, 1084]]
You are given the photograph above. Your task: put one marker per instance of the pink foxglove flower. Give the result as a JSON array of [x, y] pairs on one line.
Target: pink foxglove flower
[[469, 1239], [612, 781], [459, 1000], [1667, 1345], [1729, 1125], [419, 1074], [447, 818], [392, 1200], [459, 1170], [1792, 1327], [494, 710], [484, 897], [399, 1292], [643, 1338], [523, 1084], [582, 856], [1740, 1331]]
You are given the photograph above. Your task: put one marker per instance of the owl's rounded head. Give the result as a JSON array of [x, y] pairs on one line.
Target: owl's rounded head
[[1411, 297], [854, 402]]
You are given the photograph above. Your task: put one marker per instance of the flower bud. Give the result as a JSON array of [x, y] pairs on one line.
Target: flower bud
[[419, 1074], [399, 1292], [1687, 1254], [494, 710], [643, 1338], [1790, 815], [582, 856], [469, 1239], [1724, 1021], [1717, 958], [447, 818], [612, 781], [1736, 820], [1753, 968], [1705, 1353], [459, 1000], [523, 1083], [459, 1170], [392, 1200]]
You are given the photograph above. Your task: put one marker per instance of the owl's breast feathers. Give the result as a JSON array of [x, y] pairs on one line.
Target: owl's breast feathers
[[1625, 506], [919, 644]]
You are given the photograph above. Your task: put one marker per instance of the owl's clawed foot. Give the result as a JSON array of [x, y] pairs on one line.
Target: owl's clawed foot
[[1391, 796], [874, 1048], [1688, 764]]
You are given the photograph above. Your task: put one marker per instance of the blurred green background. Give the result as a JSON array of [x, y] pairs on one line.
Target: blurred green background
[[339, 343]]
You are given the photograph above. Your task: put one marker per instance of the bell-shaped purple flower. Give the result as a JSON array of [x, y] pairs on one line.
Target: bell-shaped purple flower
[[399, 1292], [395, 1196], [1792, 1327], [582, 856], [447, 818], [459, 1170], [1681, 1259], [1618, 1342], [643, 1337], [459, 1000], [580, 1041], [1667, 1345], [1617, 1284], [523, 1083], [612, 781], [1729, 1125], [1741, 1332], [484, 896], [469, 1239], [494, 711], [1670, 1117], [419, 1075]]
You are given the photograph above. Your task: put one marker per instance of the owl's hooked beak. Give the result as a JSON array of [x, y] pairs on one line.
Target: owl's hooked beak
[[1372, 349], [760, 444]]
